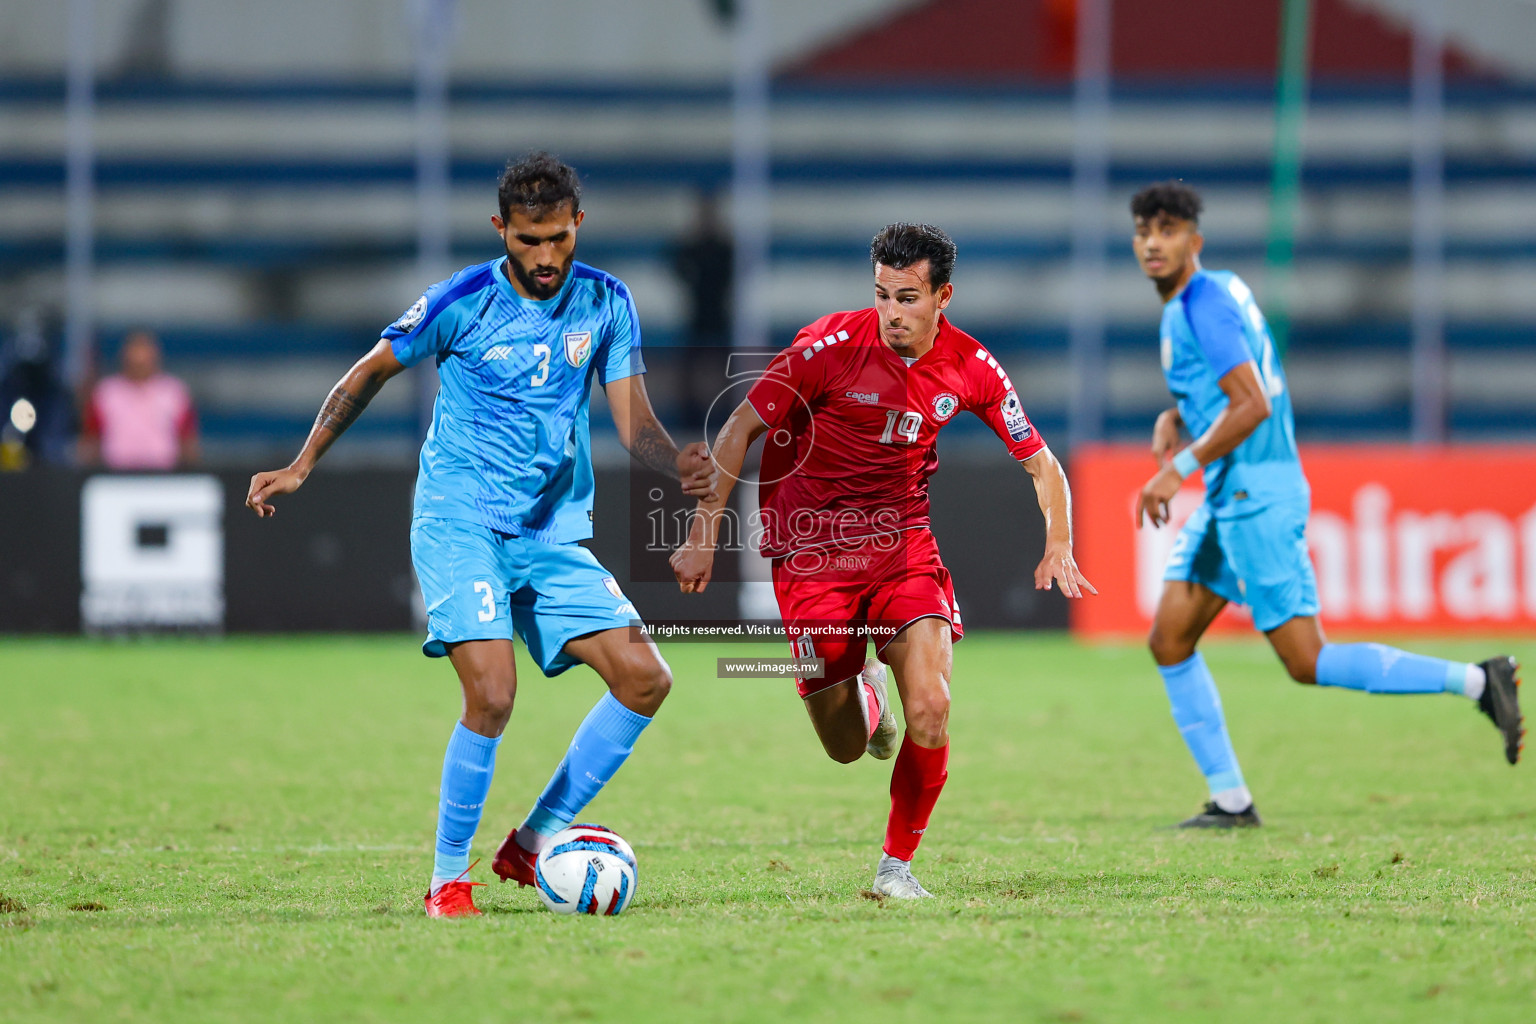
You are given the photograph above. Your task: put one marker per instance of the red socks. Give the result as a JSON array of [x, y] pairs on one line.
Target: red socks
[[916, 783], [873, 704]]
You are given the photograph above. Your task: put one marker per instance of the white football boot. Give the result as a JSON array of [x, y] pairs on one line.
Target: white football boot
[[893, 878], [883, 742]]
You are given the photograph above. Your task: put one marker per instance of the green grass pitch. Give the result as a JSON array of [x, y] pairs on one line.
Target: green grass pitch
[[241, 830]]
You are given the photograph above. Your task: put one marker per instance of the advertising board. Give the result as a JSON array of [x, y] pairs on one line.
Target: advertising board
[[1403, 539]]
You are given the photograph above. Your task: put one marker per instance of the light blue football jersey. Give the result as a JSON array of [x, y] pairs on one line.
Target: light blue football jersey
[[1211, 327], [509, 446]]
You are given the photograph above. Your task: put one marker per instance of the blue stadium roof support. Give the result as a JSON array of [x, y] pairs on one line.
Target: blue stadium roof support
[[260, 253], [308, 338], [225, 426], [1246, 91], [708, 172]]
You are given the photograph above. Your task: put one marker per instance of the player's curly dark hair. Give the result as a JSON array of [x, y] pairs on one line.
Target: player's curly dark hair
[[538, 181], [905, 245], [1172, 197]]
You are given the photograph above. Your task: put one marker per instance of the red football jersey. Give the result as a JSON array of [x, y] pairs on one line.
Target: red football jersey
[[853, 429]]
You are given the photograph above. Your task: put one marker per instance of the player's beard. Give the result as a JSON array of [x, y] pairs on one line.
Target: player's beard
[[532, 285]]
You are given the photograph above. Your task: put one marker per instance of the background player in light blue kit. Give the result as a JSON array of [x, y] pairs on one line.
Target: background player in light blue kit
[[503, 495], [1247, 542]]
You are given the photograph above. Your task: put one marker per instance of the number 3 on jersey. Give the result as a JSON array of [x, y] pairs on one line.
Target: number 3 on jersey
[[542, 374], [907, 424]]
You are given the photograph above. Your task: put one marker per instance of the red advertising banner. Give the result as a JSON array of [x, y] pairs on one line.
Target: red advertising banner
[[1436, 539]]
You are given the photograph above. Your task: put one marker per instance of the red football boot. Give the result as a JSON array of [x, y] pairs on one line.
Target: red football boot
[[454, 899], [513, 863]]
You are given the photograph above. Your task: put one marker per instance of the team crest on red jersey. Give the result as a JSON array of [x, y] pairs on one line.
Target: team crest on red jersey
[[944, 406], [578, 348]]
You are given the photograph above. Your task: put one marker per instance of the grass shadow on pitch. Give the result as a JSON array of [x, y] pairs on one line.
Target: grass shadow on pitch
[[513, 910]]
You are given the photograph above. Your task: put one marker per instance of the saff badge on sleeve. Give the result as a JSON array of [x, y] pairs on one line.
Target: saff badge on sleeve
[[578, 348]]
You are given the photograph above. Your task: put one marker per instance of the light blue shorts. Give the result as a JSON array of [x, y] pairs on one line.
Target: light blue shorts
[[479, 584], [1259, 559]]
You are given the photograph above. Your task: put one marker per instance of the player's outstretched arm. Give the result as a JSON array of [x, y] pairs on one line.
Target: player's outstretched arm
[[1247, 407], [647, 440], [694, 562], [344, 404], [1055, 498]]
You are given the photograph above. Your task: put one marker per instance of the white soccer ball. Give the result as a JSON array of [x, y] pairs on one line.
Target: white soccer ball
[[586, 869]]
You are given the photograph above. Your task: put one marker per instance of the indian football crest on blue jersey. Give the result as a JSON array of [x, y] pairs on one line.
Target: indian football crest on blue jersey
[[578, 348], [627, 607]]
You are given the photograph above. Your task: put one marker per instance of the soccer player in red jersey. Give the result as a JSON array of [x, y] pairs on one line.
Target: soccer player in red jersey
[[853, 410]]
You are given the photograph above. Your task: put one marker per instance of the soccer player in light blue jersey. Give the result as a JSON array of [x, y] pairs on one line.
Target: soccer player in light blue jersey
[[504, 494], [1247, 542]]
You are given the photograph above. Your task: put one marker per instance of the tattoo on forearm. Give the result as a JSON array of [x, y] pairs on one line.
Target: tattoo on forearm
[[654, 449], [342, 407], [344, 404]]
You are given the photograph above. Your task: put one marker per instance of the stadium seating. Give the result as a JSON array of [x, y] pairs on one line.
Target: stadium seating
[[278, 218]]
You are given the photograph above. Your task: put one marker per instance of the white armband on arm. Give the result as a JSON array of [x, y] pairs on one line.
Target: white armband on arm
[[1185, 462]]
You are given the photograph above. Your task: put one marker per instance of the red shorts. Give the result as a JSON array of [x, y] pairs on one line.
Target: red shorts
[[835, 599]]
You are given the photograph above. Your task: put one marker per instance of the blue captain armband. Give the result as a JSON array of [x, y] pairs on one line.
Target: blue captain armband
[[1186, 463]]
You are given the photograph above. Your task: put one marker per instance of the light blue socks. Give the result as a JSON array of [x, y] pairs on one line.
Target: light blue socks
[[598, 750], [1376, 668], [467, 769], [1197, 712]]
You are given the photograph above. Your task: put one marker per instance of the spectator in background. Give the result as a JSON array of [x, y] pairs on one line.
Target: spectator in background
[[703, 261], [142, 417]]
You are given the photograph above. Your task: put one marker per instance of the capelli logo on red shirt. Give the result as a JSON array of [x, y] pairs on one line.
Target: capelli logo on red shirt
[[867, 397]]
